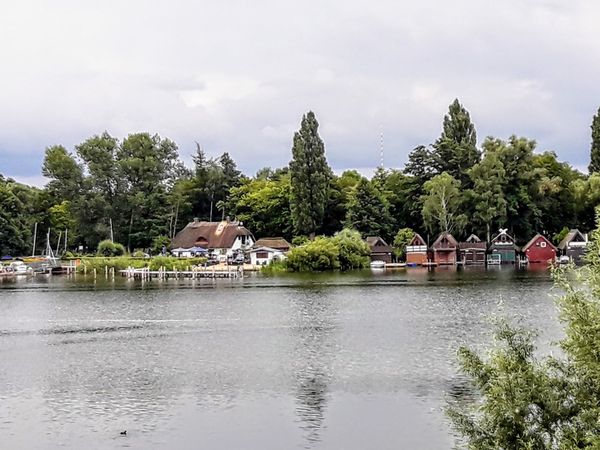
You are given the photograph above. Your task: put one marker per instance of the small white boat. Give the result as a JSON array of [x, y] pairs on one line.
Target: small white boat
[[20, 268], [377, 264], [564, 259]]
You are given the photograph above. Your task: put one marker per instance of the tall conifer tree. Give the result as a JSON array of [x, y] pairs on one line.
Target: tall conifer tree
[[595, 151], [456, 149], [310, 177]]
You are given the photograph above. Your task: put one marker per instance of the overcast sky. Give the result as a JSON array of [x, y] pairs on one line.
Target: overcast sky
[[237, 76]]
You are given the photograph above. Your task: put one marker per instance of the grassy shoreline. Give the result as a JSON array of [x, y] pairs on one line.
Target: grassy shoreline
[[101, 263]]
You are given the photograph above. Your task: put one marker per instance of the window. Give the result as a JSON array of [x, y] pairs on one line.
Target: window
[[542, 244], [262, 255]]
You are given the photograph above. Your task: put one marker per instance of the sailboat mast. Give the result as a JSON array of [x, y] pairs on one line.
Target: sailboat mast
[[34, 238]]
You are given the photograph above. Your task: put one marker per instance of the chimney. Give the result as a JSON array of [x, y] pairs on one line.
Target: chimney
[[195, 220]]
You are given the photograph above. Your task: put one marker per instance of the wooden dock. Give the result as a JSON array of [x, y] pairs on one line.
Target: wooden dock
[[162, 274]]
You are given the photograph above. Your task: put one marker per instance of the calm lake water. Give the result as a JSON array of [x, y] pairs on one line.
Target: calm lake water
[[349, 361]]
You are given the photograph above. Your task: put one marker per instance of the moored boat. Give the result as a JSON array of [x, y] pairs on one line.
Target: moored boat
[[377, 264]]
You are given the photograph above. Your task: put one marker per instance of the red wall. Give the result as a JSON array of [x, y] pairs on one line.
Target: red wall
[[416, 258], [445, 257], [536, 253]]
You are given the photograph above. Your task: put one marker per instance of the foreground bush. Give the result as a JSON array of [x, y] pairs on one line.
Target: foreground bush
[[528, 403]]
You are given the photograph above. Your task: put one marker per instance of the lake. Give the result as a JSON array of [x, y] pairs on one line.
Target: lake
[[353, 361]]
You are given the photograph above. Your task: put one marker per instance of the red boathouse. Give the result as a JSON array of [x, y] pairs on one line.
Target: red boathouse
[[416, 251], [445, 248], [540, 250]]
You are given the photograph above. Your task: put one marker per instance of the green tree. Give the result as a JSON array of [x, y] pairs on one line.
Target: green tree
[[99, 156], [103, 197], [149, 166], [595, 150], [532, 403], [521, 188], [455, 152], [62, 219], [442, 204], [310, 177], [263, 206], [16, 218], [336, 207], [488, 178], [554, 197], [368, 211], [586, 195], [66, 175], [421, 164], [401, 240]]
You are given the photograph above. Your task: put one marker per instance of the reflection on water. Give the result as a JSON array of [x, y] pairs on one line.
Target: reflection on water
[[321, 361], [314, 350]]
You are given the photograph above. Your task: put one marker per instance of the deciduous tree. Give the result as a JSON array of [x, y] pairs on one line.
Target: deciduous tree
[[442, 204]]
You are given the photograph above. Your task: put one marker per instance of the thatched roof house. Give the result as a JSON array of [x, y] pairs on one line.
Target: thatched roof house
[[221, 237]]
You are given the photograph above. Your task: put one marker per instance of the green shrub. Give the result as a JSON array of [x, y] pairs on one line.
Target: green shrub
[[354, 253], [118, 263], [119, 249], [124, 262], [300, 240], [274, 266], [158, 243], [401, 240], [139, 254], [344, 251], [110, 248], [170, 262], [317, 255]]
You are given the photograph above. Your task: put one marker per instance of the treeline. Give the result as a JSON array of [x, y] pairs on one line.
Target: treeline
[[137, 191]]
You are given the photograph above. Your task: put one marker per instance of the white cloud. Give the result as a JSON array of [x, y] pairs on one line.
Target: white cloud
[[238, 76]]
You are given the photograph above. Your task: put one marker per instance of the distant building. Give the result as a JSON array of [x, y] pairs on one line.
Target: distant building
[[278, 243], [445, 249], [416, 251], [380, 250], [267, 249], [472, 251], [540, 250], [503, 248], [574, 246], [260, 256], [219, 238]]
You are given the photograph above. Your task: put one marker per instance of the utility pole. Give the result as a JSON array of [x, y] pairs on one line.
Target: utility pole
[[111, 230]]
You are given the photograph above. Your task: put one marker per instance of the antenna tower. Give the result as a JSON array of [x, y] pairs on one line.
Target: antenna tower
[[381, 144]]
